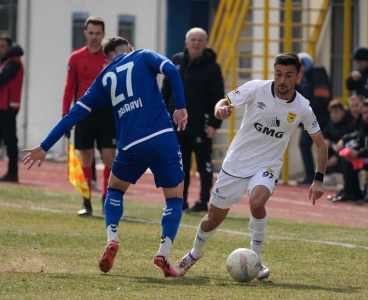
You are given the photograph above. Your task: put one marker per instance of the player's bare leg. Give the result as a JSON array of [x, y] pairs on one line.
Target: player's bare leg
[[86, 160], [113, 214], [170, 224], [108, 156], [258, 221], [206, 229]]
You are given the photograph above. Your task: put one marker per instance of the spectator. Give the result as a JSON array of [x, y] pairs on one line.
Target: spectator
[[359, 146], [83, 67], [314, 86], [11, 80], [355, 109], [358, 79], [341, 123], [203, 87]]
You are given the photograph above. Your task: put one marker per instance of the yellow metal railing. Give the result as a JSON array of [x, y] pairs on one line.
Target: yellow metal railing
[[347, 50], [311, 48], [226, 35]]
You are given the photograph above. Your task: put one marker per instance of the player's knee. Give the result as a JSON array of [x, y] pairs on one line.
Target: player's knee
[[256, 203]]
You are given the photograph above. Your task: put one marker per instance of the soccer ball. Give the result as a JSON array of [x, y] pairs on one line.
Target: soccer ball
[[243, 265]]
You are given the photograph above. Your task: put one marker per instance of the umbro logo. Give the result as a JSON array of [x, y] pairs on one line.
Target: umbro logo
[[261, 105], [236, 91]]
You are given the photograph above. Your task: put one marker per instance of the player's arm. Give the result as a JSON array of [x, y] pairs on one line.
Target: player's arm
[[223, 109], [94, 98], [38, 153], [322, 148], [161, 64], [166, 89], [311, 125], [241, 95], [316, 191], [70, 84]]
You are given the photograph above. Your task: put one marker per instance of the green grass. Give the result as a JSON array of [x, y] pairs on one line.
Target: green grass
[[46, 255]]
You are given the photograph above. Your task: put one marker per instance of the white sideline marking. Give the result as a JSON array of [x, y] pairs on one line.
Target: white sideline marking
[[181, 225]]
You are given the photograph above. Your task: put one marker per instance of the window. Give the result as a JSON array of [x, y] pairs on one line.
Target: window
[[296, 32], [8, 16], [79, 40], [245, 63], [127, 28], [337, 42]]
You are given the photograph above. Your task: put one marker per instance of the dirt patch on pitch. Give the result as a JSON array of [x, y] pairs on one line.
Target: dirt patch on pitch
[[25, 265]]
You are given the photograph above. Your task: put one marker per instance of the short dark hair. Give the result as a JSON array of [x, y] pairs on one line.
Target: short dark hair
[[113, 42], [335, 104], [94, 21], [287, 59], [7, 39]]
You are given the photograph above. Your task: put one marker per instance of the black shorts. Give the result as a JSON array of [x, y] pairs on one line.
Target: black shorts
[[99, 125]]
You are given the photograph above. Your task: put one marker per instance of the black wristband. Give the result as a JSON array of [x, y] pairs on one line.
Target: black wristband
[[319, 176]]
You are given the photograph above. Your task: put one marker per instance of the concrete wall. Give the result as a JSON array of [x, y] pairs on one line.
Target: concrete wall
[[47, 26]]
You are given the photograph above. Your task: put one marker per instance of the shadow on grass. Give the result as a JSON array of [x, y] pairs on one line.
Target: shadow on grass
[[228, 217], [207, 281], [295, 286], [203, 280]]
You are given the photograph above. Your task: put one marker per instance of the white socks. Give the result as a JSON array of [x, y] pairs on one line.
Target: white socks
[[112, 232], [257, 229], [165, 246], [200, 242]]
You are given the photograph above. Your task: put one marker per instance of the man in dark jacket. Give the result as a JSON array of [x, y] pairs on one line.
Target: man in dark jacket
[[314, 86], [358, 142], [203, 88], [341, 123], [11, 80], [358, 79]]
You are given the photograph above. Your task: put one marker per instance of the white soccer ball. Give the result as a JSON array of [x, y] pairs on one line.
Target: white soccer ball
[[243, 265]]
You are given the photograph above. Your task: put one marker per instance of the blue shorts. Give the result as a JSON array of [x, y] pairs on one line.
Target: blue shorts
[[161, 154]]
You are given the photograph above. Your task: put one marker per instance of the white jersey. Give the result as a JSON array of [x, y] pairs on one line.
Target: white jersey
[[266, 128]]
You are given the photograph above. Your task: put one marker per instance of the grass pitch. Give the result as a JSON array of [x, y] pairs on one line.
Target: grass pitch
[[48, 252]]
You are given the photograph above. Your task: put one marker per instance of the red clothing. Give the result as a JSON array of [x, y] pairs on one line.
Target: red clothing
[[83, 68], [10, 92]]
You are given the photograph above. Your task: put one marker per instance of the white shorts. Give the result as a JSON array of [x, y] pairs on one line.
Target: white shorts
[[229, 190]]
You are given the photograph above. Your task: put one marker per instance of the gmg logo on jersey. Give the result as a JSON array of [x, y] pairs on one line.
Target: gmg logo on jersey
[[267, 131]]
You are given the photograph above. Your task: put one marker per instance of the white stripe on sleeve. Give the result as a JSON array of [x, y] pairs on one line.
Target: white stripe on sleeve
[[84, 106], [162, 65]]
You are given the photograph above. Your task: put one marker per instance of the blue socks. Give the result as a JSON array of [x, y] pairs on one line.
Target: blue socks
[[113, 206], [171, 217]]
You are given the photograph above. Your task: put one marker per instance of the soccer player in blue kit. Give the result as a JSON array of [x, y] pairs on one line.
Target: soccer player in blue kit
[[145, 134]]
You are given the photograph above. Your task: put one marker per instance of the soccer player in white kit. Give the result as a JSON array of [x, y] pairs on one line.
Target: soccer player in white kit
[[273, 110]]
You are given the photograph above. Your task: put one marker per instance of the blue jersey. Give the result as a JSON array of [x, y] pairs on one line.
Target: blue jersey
[[129, 86]]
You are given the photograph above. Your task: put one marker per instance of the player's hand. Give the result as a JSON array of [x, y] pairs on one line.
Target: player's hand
[[180, 118], [224, 112], [211, 132], [35, 154], [316, 191], [356, 75]]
